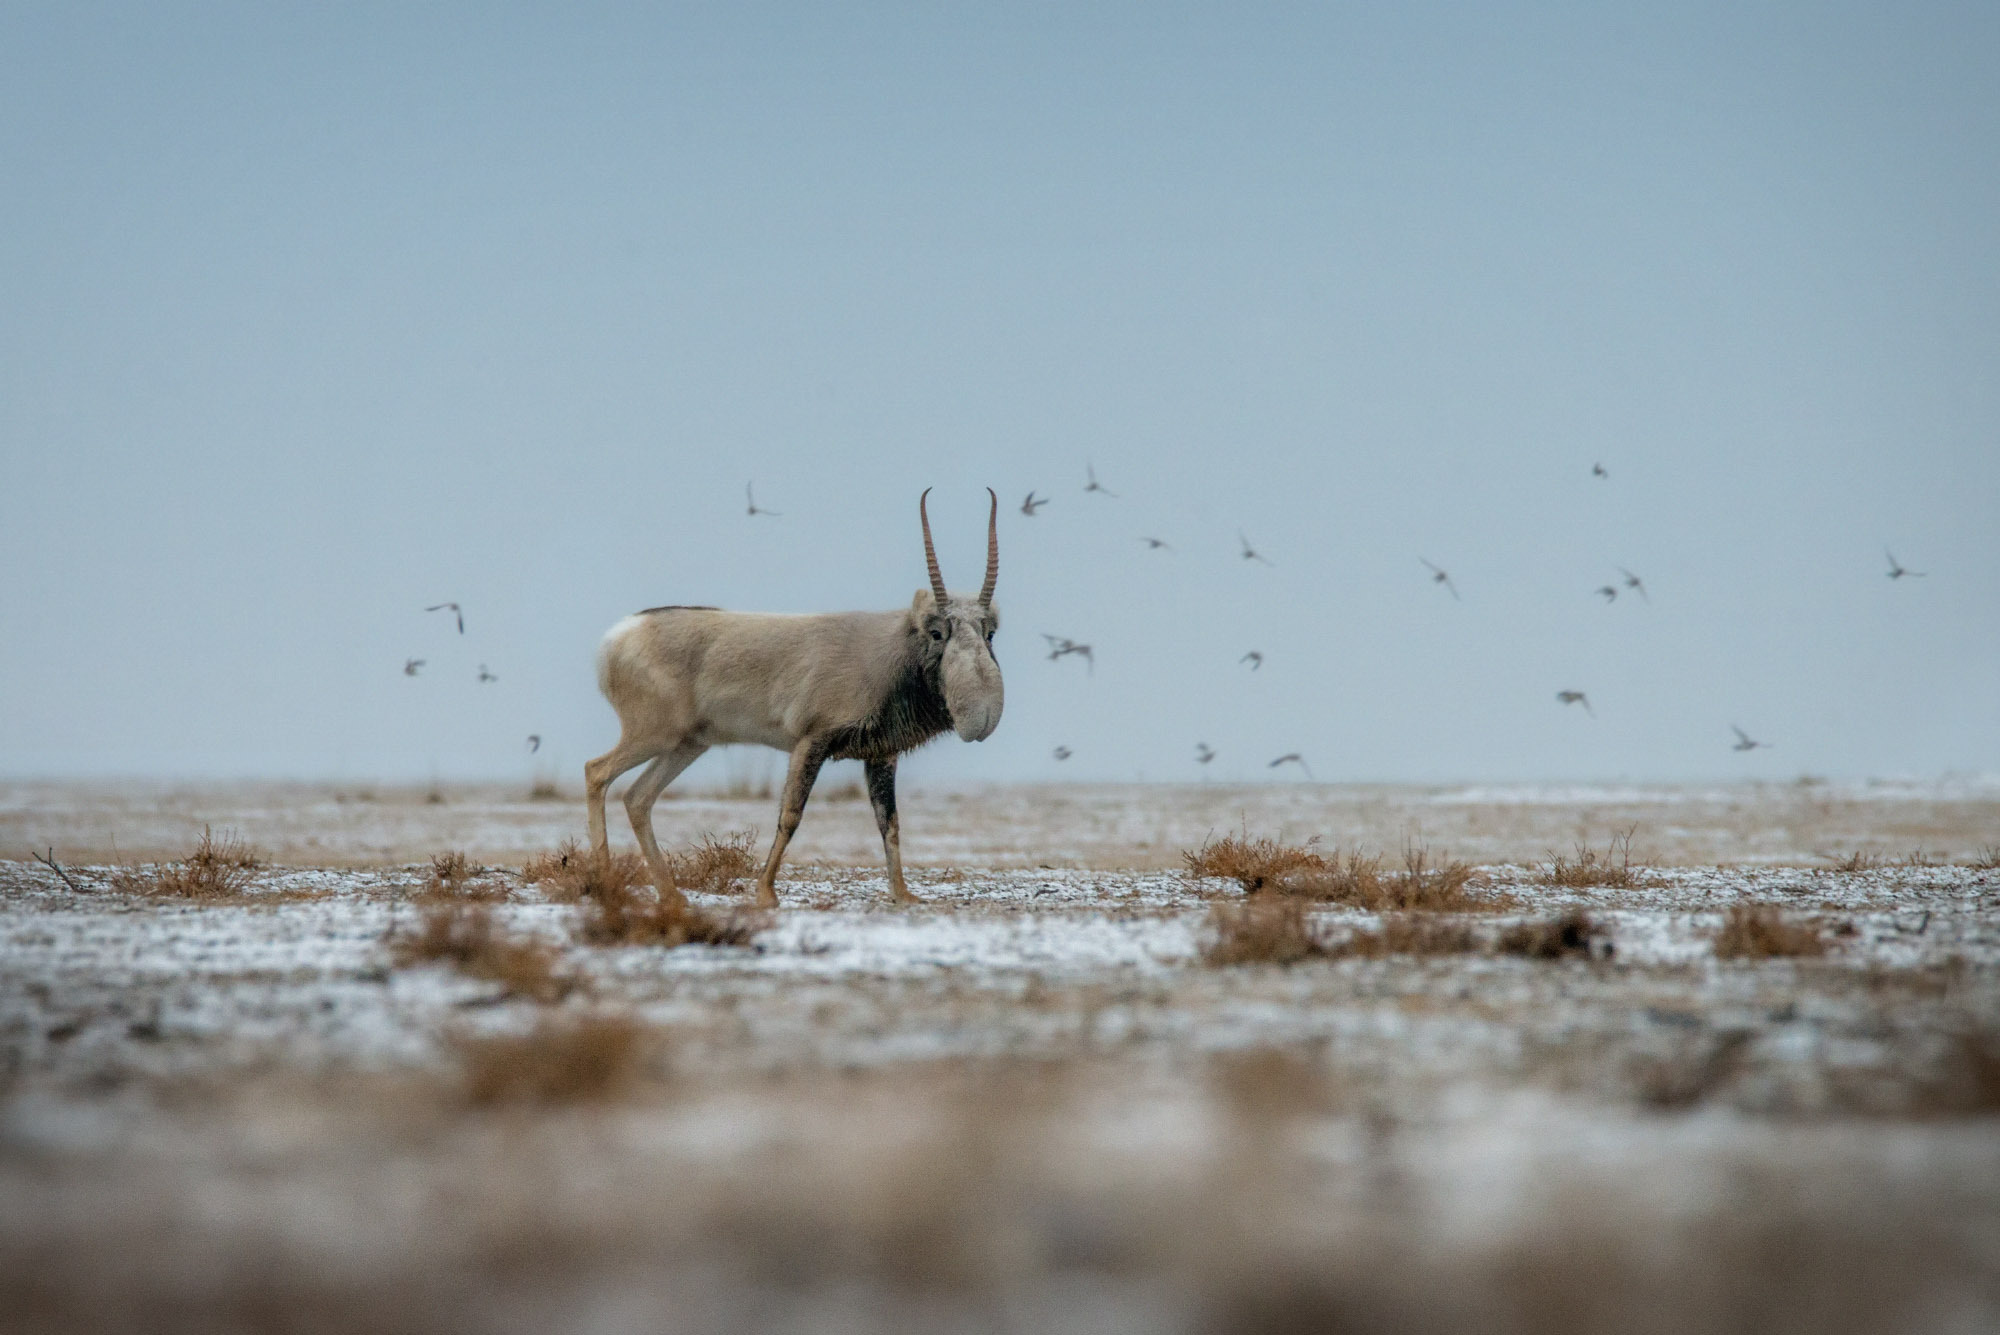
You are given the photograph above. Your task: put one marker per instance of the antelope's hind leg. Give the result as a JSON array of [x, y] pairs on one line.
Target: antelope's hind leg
[[600, 774], [639, 799], [882, 796]]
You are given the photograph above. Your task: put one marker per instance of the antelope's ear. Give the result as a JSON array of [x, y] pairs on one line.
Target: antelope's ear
[[922, 605]]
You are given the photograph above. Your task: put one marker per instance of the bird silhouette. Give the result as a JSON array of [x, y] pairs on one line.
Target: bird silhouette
[[1254, 658], [411, 666], [1061, 753], [1439, 577], [1608, 592], [1060, 647], [1896, 570], [453, 609], [1632, 581], [1743, 742], [1154, 544], [1203, 753], [1597, 470], [484, 675], [755, 509], [1292, 758], [1250, 553], [534, 742], [1577, 698], [1095, 485], [1030, 505]]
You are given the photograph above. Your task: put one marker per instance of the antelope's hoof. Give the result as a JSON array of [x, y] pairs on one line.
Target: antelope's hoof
[[901, 895], [767, 897]]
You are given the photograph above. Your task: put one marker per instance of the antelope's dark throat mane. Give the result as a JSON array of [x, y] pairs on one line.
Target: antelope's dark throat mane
[[913, 713]]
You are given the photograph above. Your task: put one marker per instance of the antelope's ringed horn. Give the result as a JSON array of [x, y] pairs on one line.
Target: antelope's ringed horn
[[992, 551], [930, 551]]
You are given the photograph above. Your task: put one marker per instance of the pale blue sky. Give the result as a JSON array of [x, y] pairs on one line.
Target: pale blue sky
[[310, 317]]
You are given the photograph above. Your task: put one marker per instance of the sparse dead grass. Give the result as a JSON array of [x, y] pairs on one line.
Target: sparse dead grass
[[633, 915], [1408, 934], [466, 936], [1612, 867], [715, 865], [1987, 859], [544, 790], [1571, 935], [1301, 871], [1261, 931], [561, 1060], [217, 868], [453, 877], [1761, 931], [1858, 861]]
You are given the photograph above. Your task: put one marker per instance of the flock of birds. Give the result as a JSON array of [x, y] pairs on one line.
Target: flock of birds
[[1060, 647]]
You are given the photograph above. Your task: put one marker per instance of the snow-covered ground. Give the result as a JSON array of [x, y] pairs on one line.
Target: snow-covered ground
[[1026, 1104]]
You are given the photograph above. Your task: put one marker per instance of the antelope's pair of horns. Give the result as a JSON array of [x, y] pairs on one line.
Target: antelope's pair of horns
[[992, 550]]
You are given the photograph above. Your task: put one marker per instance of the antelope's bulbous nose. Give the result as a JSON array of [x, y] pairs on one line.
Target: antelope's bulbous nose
[[973, 694], [977, 724]]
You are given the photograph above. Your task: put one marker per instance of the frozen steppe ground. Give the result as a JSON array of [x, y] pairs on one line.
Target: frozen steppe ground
[[1027, 1104]]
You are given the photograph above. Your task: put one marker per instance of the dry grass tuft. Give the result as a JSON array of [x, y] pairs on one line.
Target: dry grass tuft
[[466, 936], [1612, 867], [1858, 861], [1570, 935], [635, 916], [1262, 931], [1301, 871], [570, 874], [1987, 859], [453, 877], [715, 865], [217, 868], [578, 1060], [1408, 934], [1760, 931], [1254, 864], [544, 790]]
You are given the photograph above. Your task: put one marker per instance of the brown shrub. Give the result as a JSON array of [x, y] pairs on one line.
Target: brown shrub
[[1613, 867], [466, 936], [216, 868], [558, 1061], [1567, 935], [1261, 931], [1760, 931], [1408, 934]]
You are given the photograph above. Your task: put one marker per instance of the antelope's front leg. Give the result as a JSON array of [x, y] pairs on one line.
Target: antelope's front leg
[[882, 796], [807, 757]]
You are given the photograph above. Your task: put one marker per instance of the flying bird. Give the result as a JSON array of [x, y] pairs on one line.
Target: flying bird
[[484, 675], [1577, 698], [1254, 658], [1292, 758], [755, 509], [1154, 544], [1743, 742], [411, 666], [1896, 570], [1608, 592], [1632, 581], [1030, 505], [1203, 753], [453, 609], [1060, 646], [534, 742], [1061, 753], [1439, 577], [1597, 470], [1250, 553], [1095, 485]]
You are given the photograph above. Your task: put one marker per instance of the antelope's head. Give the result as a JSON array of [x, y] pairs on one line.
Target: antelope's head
[[956, 636]]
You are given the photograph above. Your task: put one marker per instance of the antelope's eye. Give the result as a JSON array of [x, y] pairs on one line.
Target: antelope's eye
[[937, 634]]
